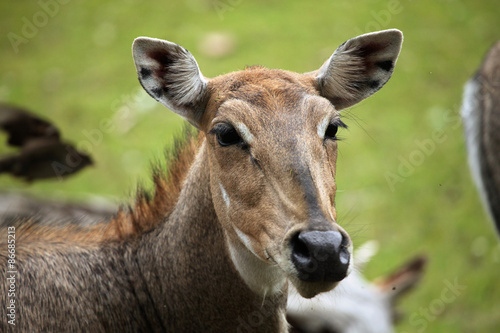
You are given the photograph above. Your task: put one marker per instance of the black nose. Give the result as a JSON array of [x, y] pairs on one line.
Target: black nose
[[320, 255]]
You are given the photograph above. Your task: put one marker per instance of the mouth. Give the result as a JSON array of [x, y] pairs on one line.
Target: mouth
[[306, 289], [311, 289], [270, 258]]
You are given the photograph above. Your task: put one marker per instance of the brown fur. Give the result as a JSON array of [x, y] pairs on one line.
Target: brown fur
[[146, 213], [214, 247]]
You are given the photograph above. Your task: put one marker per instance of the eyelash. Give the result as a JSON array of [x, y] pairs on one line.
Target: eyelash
[[332, 129]]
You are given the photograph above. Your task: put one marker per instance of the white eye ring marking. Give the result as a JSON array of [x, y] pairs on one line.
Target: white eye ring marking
[[322, 126], [245, 133]]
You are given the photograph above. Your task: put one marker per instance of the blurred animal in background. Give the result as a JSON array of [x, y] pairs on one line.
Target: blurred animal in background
[[16, 207], [356, 306], [42, 154], [23, 126], [481, 118]]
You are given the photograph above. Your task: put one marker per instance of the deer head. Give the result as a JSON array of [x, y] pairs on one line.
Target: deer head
[[271, 142]]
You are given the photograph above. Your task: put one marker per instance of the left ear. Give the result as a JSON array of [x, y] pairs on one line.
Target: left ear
[[170, 74], [359, 67]]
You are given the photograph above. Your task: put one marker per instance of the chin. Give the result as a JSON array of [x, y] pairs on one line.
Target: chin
[[311, 289]]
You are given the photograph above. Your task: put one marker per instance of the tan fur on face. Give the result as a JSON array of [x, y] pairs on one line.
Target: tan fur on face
[[263, 201]]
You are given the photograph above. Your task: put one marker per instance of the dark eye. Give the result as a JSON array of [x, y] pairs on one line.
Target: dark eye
[[333, 127], [226, 135], [331, 132]]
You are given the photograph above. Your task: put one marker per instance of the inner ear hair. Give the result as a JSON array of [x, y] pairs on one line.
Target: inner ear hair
[[359, 67], [170, 74]]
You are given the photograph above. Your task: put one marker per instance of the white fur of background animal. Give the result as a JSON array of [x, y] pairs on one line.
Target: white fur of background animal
[[356, 305]]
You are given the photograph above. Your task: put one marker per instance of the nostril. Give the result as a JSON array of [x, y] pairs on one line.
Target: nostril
[[299, 248], [345, 240], [344, 255]]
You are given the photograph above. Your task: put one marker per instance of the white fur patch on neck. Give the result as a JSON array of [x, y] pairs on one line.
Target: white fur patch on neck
[[261, 277]]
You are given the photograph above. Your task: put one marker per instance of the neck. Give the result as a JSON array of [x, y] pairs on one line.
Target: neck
[[189, 273]]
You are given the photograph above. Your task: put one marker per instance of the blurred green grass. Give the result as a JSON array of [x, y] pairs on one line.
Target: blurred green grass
[[77, 70]]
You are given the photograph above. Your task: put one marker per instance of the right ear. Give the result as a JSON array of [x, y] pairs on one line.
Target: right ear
[[170, 74], [359, 67]]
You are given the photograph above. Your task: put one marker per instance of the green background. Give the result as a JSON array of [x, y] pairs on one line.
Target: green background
[[76, 69]]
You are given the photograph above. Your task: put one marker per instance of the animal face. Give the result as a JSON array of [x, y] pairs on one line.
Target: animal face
[[271, 145]]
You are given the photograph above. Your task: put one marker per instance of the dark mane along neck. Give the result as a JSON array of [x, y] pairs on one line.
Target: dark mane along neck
[[149, 211]]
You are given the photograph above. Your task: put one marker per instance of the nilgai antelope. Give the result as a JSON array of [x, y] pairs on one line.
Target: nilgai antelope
[[214, 248], [481, 118]]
